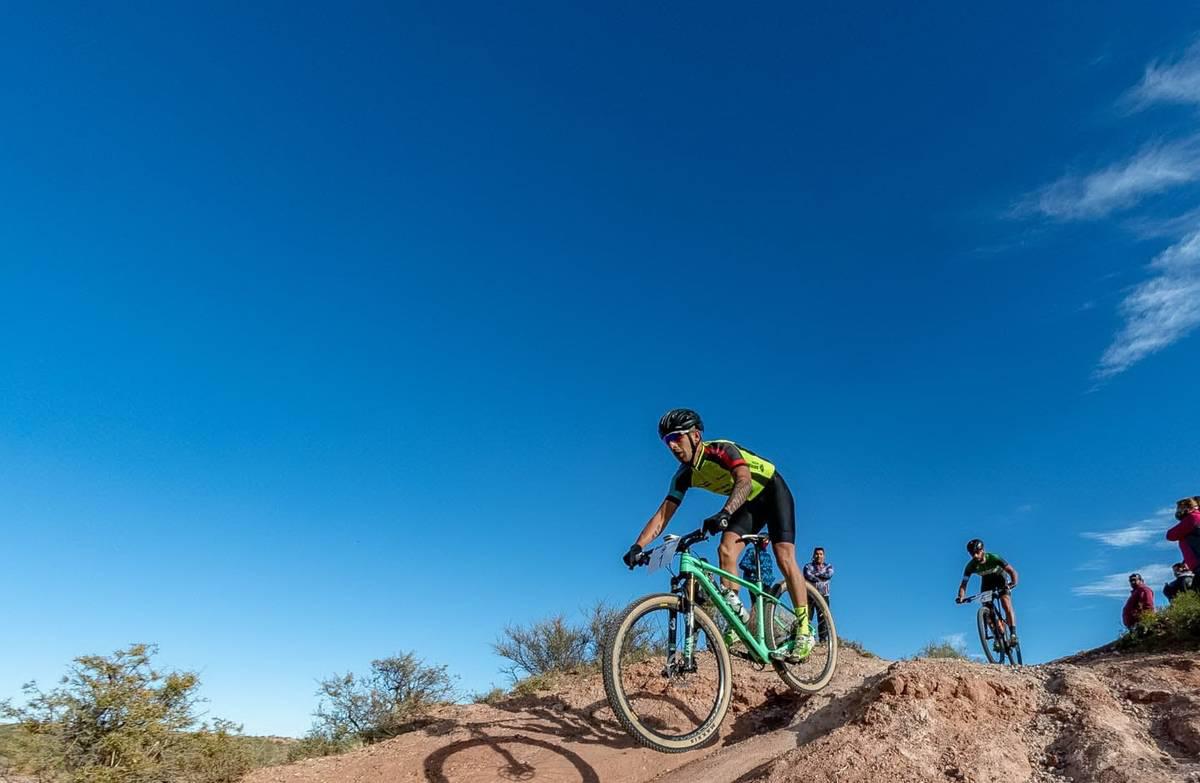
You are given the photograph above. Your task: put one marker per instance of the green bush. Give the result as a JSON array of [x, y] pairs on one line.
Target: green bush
[[116, 719], [214, 755], [317, 743], [1178, 623], [544, 646], [535, 683], [490, 697], [943, 649], [555, 644], [391, 700], [851, 644]]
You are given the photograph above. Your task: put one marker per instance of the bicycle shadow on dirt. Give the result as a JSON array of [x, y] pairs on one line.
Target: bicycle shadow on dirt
[[585, 724], [507, 750]]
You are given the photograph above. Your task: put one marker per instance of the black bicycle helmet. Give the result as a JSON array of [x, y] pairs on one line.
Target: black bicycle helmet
[[974, 545], [679, 420]]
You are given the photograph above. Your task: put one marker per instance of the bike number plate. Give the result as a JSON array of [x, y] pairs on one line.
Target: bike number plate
[[663, 555]]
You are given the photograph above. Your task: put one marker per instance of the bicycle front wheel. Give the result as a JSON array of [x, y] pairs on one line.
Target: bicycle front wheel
[[1014, 655], [987, 634], [816, 670], [670, 693]]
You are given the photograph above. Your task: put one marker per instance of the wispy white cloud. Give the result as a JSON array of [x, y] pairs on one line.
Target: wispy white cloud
[[1175, 227], [1139, 532], [1131, 535], [1095, 564], [1170, 82], [1159, 311], [1153, 169], [1117, 585]]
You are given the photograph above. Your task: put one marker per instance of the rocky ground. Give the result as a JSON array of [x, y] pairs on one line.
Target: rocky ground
[[1099, 717]]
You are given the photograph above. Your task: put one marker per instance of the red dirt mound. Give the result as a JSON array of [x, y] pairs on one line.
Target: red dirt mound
[[1101, 717]]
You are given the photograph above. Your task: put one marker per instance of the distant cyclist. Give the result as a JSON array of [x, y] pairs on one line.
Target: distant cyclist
[[991, 569], [757, 496]]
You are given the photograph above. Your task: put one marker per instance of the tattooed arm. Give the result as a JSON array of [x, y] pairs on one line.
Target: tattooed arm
[[741, 489]]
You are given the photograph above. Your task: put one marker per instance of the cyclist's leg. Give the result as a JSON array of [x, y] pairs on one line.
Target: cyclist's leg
[[781, 526], [1006, 601], [785, 554], [728, 552]]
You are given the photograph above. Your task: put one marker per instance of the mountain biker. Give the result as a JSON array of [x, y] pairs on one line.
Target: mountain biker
[[757, 496], [991, 569]]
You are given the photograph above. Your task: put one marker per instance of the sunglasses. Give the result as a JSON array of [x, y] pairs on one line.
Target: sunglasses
[[674, 437]]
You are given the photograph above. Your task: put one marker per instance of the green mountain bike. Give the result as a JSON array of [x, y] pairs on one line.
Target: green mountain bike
[[666, 662]]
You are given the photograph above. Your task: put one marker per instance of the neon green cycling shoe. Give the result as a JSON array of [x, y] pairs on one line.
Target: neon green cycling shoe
[[802, 646]]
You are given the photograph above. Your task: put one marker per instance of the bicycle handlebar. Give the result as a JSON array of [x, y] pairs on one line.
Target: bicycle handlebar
[[685, 542], [991, 595]]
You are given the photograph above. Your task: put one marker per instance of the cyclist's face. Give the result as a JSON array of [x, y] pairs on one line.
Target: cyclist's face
[[979, 556], [683, 444]]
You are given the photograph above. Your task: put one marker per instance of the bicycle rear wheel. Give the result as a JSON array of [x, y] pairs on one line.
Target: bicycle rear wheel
[[663, 700], [987, 634], [815, 671]]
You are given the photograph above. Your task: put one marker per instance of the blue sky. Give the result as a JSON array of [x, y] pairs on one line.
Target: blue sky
[[335, 332]]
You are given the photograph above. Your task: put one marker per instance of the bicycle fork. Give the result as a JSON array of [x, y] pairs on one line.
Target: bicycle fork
[[687, 661]]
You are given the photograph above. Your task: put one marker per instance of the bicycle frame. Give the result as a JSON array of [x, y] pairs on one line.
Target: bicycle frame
[[694, 571], [993, 602], [990, 599]]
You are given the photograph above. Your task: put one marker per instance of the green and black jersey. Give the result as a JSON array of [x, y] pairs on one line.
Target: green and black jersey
[[991, 571]]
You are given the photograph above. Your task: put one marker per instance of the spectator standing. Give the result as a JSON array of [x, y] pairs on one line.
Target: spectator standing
[[767, 573], [819, 573], [1141, 600], [1181, 583], [1186, 532]]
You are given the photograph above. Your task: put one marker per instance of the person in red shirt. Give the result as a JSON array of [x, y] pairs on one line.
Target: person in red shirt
[[1186, 531], [1141, 600]]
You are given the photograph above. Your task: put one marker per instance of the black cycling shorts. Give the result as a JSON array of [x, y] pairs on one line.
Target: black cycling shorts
[[994, 582], [774, 508]]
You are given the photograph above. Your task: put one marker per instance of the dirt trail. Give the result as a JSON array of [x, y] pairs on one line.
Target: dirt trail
[[1104, 718]]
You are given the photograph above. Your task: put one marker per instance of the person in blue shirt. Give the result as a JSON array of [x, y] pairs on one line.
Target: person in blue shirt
[[768, 567], [819, 573]]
